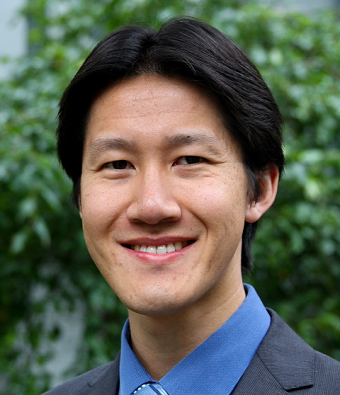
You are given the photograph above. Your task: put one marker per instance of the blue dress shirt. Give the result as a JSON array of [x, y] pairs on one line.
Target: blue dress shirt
[[214, 367]]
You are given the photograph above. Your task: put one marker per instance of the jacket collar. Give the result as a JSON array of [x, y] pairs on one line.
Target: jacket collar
[[283, 362], [105, 381]]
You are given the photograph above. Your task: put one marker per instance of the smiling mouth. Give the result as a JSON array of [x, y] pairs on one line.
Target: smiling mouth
[[160, 249]]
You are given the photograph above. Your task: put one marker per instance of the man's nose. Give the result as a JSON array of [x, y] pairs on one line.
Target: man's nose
[[153, 200]]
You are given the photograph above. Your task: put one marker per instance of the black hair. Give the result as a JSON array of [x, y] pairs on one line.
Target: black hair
[[198, 53]]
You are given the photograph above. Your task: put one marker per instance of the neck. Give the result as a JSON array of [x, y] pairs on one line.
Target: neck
[[160, 342]]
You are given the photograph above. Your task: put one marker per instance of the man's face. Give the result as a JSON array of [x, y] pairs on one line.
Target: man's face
[[163, 196]]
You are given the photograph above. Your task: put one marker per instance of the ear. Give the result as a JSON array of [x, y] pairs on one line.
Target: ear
[[268, 180], [79, 207]]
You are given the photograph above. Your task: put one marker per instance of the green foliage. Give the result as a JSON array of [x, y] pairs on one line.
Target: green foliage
[[44, 265]]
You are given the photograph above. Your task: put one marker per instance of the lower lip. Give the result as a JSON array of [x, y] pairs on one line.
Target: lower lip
[[150, 258]]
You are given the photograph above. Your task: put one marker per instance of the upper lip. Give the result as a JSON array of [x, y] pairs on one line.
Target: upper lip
[[157, 241]]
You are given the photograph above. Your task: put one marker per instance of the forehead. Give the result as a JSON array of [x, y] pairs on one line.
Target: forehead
[[159, 91], [154, 105]]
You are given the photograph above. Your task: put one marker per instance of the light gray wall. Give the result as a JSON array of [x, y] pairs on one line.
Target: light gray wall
[[13, 33]]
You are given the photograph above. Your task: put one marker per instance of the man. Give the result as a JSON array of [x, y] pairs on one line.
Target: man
[[173, 143]]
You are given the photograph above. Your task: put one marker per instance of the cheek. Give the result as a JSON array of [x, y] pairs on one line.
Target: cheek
[[98, 207], [221, 200]]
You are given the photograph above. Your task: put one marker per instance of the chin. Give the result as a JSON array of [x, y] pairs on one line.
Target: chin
[[156, 306]]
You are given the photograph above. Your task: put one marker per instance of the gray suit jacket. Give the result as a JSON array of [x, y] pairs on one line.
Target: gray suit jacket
[[283, 364]]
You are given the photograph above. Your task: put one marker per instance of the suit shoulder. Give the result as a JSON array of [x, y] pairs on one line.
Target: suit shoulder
[[295, 364], [327, 374], [103, 376]]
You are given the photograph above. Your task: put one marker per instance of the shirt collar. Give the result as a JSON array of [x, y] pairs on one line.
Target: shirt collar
[[216, 365]]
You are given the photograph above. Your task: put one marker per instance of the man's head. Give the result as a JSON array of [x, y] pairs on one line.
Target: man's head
[[198, 54]]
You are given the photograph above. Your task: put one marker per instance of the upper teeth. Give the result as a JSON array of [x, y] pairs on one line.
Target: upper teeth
[[162, 249]]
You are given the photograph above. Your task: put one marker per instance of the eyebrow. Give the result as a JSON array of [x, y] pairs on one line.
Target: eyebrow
[[108, 144], [184, 139], [173, 141]]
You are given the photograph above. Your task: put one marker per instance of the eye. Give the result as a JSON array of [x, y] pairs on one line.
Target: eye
[[118, 165], [189, 160]]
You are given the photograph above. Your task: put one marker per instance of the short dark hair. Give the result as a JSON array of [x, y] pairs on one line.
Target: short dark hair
[[200, 54]]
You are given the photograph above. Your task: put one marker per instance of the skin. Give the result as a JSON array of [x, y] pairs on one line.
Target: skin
[[159, 167]]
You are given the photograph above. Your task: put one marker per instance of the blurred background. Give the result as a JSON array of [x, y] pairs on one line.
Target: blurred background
[[58, 317]]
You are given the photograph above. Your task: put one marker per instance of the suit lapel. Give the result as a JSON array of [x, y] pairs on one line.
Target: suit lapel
[[258, 380], [282, 363], [106, 382]]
